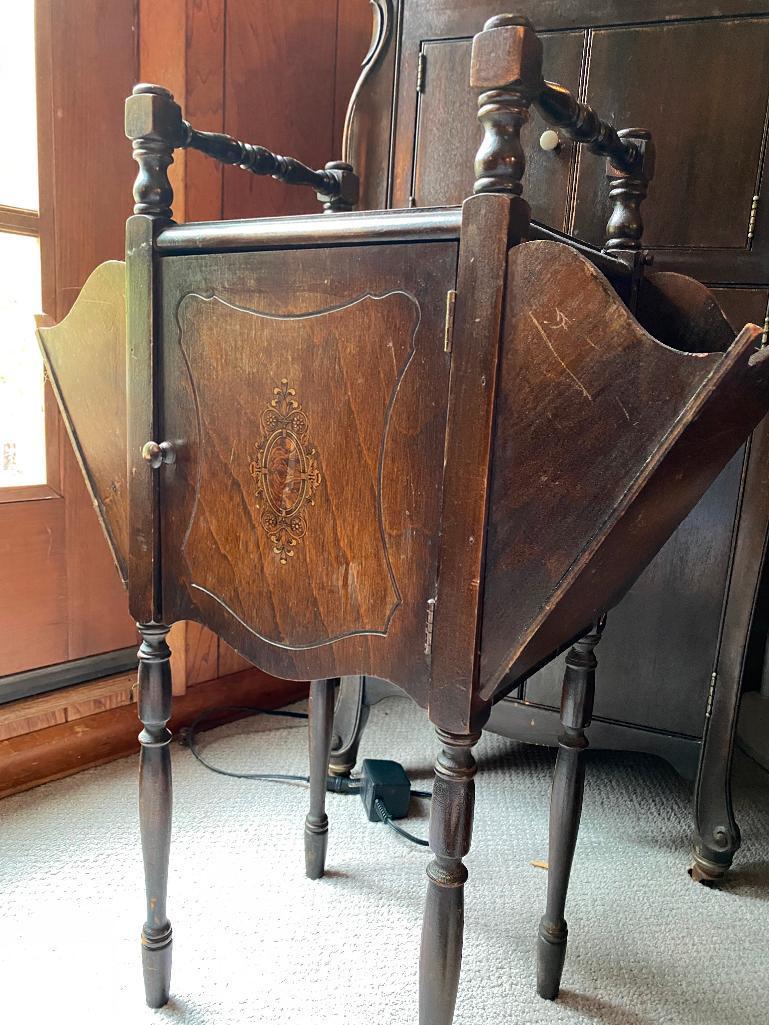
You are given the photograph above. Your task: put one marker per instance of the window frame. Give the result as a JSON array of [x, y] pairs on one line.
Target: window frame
[[39, 224]]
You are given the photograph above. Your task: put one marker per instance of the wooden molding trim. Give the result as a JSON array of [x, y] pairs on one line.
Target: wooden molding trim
[[28, 715], [59, 748]]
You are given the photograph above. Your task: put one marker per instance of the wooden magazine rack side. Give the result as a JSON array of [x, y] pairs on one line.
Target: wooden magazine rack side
[[605, 439], [84, 357]]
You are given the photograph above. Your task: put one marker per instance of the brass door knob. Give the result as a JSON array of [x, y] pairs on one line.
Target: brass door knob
[[156, 455]]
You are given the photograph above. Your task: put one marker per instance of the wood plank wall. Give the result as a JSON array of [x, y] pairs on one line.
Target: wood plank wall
[[265, 71]]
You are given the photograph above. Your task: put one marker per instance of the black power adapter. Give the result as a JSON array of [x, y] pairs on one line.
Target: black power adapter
[[386, 792], [386, 782], [384, 787]]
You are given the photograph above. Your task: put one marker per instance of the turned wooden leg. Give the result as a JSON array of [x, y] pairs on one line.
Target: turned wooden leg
[[451, 825], [316, 823], [155, 806], [350, 718], [565, 807]]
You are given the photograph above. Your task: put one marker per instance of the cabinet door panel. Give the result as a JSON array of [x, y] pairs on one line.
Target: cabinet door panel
[[306, 393], [743, 305], [448, 133], [701, 88]]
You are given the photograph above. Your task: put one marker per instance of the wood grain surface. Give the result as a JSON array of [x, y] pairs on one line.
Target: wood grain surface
[[85, 359], [348, 343], [576, 365]]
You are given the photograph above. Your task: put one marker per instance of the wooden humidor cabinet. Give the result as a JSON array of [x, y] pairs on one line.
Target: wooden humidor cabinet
[[350, 450]]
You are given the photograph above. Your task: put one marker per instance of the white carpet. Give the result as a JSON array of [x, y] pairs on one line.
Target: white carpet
[[255, 942]]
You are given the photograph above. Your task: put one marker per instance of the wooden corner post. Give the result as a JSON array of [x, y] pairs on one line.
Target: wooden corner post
[[506, 65], [627, 190], [153, 123]]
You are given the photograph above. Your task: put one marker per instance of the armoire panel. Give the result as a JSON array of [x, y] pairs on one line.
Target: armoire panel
[[443, 160], [701, 88]]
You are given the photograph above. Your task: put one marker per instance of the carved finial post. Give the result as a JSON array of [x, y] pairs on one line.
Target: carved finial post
[[349, 186], [153, 123], [507, 65], [627, 190]]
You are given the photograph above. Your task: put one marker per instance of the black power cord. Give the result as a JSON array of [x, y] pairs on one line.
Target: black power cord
[[385, 816], [379, 782], [188, 737]]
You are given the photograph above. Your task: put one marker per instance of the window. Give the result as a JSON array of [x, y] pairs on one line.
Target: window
[[22, 401]]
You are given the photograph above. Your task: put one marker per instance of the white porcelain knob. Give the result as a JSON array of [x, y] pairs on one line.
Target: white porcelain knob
[[549, 140]]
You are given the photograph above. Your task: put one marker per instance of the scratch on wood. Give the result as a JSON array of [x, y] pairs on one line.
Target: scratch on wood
[[561, 320], [549, 344], [627, 415]]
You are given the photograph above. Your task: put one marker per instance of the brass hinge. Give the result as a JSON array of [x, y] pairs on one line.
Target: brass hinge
[[753, 218], [421, 71], [448, 330], [711, 692], [429, 626]]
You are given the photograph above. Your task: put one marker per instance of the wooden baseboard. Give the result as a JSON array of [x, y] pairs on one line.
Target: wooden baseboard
[[58, 750]]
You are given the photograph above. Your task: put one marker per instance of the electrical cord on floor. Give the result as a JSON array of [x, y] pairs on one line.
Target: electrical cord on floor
[[385, 816], [334, 784], [188, 737]]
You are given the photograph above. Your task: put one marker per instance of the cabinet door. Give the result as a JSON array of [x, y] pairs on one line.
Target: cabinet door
[[701, 88], [657, 654], [448, 132], [306, 391]]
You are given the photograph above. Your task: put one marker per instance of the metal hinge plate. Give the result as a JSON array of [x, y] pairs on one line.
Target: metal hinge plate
[[421, 71], [753, 218], [711, 693], [429, 626], [448, 330]]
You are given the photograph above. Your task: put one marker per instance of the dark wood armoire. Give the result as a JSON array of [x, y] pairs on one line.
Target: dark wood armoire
[[696, 74]]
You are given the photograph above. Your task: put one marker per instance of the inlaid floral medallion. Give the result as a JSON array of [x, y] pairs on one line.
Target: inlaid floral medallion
[[285, 469]]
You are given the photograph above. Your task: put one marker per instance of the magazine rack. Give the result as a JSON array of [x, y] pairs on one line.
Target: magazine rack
[[429, 446]]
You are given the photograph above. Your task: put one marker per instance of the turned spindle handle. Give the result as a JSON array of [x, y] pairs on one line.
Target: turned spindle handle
[[506, 65], [336, 182], [154, 123], [579, 122]]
